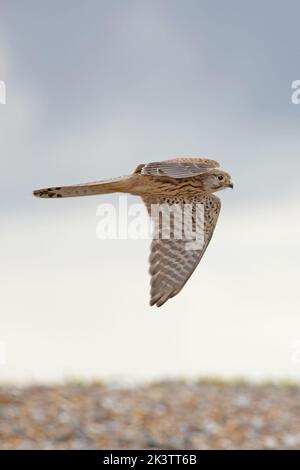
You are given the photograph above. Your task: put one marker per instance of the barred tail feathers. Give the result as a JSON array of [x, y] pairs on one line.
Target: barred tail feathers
[[85, 189]]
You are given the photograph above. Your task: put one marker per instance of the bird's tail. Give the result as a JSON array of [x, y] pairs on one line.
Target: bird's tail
[[87, 189]]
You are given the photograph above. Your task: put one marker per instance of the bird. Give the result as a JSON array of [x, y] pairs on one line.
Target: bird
[[184, 182]]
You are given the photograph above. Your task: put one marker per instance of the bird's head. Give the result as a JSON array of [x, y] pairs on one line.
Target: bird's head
[[215, 180]]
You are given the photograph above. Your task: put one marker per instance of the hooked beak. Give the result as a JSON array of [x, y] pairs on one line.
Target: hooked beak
[[230, 185]]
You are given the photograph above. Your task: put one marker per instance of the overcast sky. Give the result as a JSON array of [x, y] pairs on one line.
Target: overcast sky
[[93, 89]]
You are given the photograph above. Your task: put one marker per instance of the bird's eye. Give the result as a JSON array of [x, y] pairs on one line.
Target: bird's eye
[[220, 177]]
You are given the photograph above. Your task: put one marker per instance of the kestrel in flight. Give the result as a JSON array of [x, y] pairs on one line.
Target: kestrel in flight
[[184, 182]]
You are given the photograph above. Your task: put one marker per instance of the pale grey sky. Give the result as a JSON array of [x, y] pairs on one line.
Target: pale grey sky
[[93, 88]]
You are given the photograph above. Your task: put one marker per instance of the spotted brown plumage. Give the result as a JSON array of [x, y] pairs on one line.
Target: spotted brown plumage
[[181, 183], [171, 260]]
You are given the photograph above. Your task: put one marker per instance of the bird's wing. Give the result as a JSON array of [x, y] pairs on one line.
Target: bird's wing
[[178, 167], [173, 260]]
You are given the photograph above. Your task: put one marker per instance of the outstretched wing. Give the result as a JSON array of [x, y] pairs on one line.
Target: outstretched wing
[[178, 167], [173, 259]]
